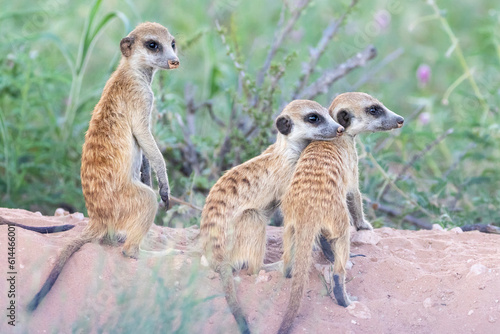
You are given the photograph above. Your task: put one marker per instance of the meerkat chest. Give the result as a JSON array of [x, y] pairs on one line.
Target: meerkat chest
[[148, 102], [351, 170]]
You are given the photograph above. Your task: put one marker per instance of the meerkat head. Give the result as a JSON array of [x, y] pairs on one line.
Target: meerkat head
[[360, 112], [303, 121], [150, 45]]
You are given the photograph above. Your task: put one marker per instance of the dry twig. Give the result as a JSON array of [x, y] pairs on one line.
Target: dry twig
[[323, 83], [415, 158], [397, 213], [180, 201], [370, 74], [278, 40], [320, 48]]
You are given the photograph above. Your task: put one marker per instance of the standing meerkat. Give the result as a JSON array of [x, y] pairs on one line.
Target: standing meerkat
[[239, 205], [324, 193], [119, 132]]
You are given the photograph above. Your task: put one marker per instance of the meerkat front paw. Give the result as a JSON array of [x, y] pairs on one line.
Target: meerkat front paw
[[131, 252], [165, 195], [364, 225]]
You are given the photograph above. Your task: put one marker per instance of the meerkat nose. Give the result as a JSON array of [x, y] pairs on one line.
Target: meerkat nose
[[340, 130], [400, 121], [173, 63]]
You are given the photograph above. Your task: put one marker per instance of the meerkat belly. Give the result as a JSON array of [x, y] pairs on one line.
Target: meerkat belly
[[107, 150], [136, 161]]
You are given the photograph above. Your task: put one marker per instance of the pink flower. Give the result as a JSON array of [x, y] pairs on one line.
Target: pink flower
[[423, 74], [424, 118], [382, 18]]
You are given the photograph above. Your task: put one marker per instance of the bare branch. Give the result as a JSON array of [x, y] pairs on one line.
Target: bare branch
[[317, 52], [485, 228], [192, 108], [210, 109], [424, 224], [278, 40], [414, 159], [323, 83], [420, 154], [394, 186], [180, 201], [458, 160], [370, 74], [397, 213]]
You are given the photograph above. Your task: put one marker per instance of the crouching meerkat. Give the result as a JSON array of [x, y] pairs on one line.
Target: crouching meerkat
[[119, 133], [324, 194], [239, 205]]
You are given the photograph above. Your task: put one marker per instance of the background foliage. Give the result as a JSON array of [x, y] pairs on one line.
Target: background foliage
[[437, 65]]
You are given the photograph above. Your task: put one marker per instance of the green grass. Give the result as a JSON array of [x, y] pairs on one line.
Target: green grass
[[56, 56]]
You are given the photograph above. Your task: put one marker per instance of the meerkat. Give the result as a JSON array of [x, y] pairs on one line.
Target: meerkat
[[39, 229], [239, 205], [119, 132], [323, 195]]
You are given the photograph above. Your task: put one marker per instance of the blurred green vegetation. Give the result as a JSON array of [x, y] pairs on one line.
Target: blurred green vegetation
[[54, 64]]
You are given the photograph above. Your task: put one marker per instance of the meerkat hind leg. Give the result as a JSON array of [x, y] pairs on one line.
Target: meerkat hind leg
[[249, 241], [327, 250], [355, 205], [140, 217], [288, 249], [341, 251]]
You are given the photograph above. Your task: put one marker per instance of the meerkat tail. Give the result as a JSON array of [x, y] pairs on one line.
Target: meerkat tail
[[276, 266], [304, 239], [226, 274], [166, 252], [66, 253], [39, 229]]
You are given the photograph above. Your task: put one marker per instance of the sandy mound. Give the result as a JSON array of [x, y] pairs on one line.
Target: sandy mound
[[409, 282]]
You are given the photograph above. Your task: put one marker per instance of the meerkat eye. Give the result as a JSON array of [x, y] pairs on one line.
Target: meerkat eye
[[152, 45], [375, 110], [313, 118], [173, 44]]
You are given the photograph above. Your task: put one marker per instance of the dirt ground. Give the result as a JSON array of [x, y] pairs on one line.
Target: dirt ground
[[409, 282]]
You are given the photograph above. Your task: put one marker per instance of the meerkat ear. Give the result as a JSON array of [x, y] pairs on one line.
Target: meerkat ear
[[344, 118], [126, 46], [284, 125]]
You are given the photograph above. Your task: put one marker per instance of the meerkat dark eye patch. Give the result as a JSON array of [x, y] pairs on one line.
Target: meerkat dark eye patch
[[344, 118], [153, 46], [173, 44], [284, 125], [375, 110], [313, 118]]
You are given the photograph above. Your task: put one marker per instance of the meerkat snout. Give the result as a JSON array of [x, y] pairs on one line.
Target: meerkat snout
[[340, 130], [400, 121], [173, 63]]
